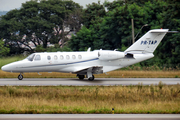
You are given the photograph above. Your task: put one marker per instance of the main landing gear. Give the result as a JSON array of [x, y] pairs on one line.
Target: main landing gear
[[91, 78], [81, 77], [20, 76]]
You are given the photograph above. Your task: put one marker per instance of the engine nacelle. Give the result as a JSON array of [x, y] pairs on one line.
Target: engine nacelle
[[110, 55]]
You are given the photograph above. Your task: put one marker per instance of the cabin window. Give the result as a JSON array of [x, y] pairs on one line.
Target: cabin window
[[79, 56], [49, 57], [61, 57], [67, 57], [73, 57], [30, 57], [55, 57], [38, 57]]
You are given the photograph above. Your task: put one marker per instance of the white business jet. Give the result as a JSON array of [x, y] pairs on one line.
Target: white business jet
[[89, 62]]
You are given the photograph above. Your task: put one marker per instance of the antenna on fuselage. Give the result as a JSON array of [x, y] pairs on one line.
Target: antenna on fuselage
[[89, 49]]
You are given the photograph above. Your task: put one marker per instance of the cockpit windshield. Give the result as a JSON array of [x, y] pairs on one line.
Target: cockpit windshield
[[30, 57]]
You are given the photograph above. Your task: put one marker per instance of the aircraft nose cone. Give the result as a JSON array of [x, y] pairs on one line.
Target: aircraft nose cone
[[2, 68], [5, 68]]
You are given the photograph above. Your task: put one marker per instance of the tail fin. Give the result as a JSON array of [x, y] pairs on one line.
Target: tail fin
[[148, 42]]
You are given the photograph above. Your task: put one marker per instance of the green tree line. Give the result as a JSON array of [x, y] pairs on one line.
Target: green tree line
[[39, 22], [112, 29], [99, 26]]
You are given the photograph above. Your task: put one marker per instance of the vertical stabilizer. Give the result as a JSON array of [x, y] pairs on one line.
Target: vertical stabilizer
[[148, 42]]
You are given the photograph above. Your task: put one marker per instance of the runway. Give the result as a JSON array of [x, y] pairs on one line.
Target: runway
[[85, 82], [90, 117]]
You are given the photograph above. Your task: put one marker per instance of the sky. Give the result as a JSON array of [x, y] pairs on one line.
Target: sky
[[6, 5]]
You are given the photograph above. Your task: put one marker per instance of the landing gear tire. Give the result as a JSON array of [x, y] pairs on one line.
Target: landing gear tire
[[81, 77], [20, 77], [91, 78]]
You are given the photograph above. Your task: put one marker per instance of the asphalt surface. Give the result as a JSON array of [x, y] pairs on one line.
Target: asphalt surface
[[90, 117], [85, 82]]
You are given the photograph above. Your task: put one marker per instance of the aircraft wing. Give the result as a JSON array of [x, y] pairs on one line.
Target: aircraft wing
[[94, 69]]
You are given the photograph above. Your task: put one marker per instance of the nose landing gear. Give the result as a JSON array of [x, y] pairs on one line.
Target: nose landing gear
[[20, 76]]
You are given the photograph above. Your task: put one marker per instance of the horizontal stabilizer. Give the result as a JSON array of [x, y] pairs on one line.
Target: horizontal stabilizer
[[173, 31]]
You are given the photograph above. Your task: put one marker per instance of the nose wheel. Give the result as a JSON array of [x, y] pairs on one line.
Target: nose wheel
[[20, 77]]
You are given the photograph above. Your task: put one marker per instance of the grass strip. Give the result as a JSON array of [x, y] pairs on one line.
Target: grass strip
[[139, 99], [112, 74]]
